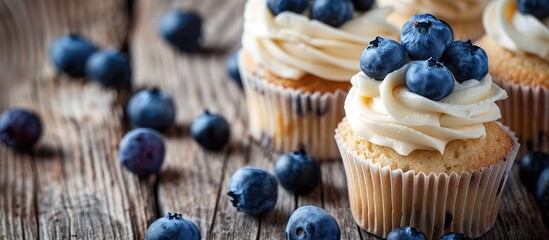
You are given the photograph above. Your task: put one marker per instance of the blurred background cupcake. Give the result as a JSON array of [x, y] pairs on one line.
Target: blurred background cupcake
[[296, 63], [465, 16], [517, 44]]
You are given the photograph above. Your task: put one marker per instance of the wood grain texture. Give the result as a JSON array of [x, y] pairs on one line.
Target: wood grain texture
[[72, 186]]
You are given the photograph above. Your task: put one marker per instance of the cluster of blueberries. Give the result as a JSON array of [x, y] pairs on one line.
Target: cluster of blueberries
[[436, 59], [534, 174]]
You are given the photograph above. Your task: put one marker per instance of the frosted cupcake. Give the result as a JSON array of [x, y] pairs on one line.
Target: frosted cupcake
[[420, 142], [517, 44], [465, 16], [295, 69]]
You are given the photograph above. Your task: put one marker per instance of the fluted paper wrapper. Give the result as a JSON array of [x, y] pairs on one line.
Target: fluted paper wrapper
[[285, 119], [382, 198], [526, 112]]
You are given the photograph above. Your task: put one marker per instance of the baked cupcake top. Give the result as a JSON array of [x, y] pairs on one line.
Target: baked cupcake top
[[292, 45], [423, 93], [451, 10], [519, 28]]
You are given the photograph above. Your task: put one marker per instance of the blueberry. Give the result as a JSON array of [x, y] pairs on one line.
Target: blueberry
[[297, 172], [542, 192], [363, 5], [429, 79], [232, 68], [211, 131], [173, 227], [142, 151], [455, 236], [425, 36], [278, 6], [538, 8], [109, 68], [465, 60], [70, 53], [312, 223], [181, 29], [20, 129], [253, 191], [151, 108], [381, 57], [406, 233], [332, 12], [530, 167]]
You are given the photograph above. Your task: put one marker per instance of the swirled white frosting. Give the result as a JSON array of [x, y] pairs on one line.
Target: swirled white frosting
[[292, 45], [449, 10], [386, 113], [516, 31]]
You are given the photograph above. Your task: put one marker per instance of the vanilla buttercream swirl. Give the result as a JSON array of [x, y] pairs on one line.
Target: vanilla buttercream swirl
[[386, 113], [516, 31], [449, 10], [292, 45]]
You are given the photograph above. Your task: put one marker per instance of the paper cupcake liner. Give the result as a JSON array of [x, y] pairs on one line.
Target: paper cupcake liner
[[382, 198], [526, 112], [285, 119]]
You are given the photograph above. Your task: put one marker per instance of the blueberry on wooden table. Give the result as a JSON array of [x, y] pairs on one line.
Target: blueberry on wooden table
[[312, 223], [142, 151], [381, 57], [333, 13], [406, 233], [297, 172], [455, 236], [465, 60], [173, 227], [69, 54], [429, 79], [253, 191], [20, 129], [232, 68], [530, 167], [211, 131], [151, 108], [110, 68], [424, 36], [181, 29], [278, 6]]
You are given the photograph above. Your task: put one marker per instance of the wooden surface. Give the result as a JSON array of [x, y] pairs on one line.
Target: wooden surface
[[72, 186]]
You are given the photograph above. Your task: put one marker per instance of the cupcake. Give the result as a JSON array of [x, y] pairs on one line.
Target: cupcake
[[465, 16], [420, 142], [517, 44], [295, 64]]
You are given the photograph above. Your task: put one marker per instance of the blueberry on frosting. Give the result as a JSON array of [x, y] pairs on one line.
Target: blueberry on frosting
[[425, 36], [538, 8], [278, 6], [381, 57], [363, 5], [332, 12], [429, 79], [465, 60]]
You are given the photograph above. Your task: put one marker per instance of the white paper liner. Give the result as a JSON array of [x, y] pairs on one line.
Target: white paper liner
[[382, 199], [285, 119], [526, 112]]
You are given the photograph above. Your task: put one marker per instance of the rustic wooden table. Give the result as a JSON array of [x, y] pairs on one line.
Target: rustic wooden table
[[72, 186]]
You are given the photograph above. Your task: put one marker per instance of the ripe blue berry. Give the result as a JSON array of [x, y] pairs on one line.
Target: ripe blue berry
[[530, 167], [110, 68], [151, 108], [425, 36], [278, 6], [538, 8], [363, 5], [232, 68], [297, 172], [406, 233], [253, 191], [429, 79], [455, 236], [465, 60], [142, 151], [381, 57], [211, 131], [310, 223], [173, 227], [70, 53], [20, 129], [332, 12], [542, 192], [181, 29]]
